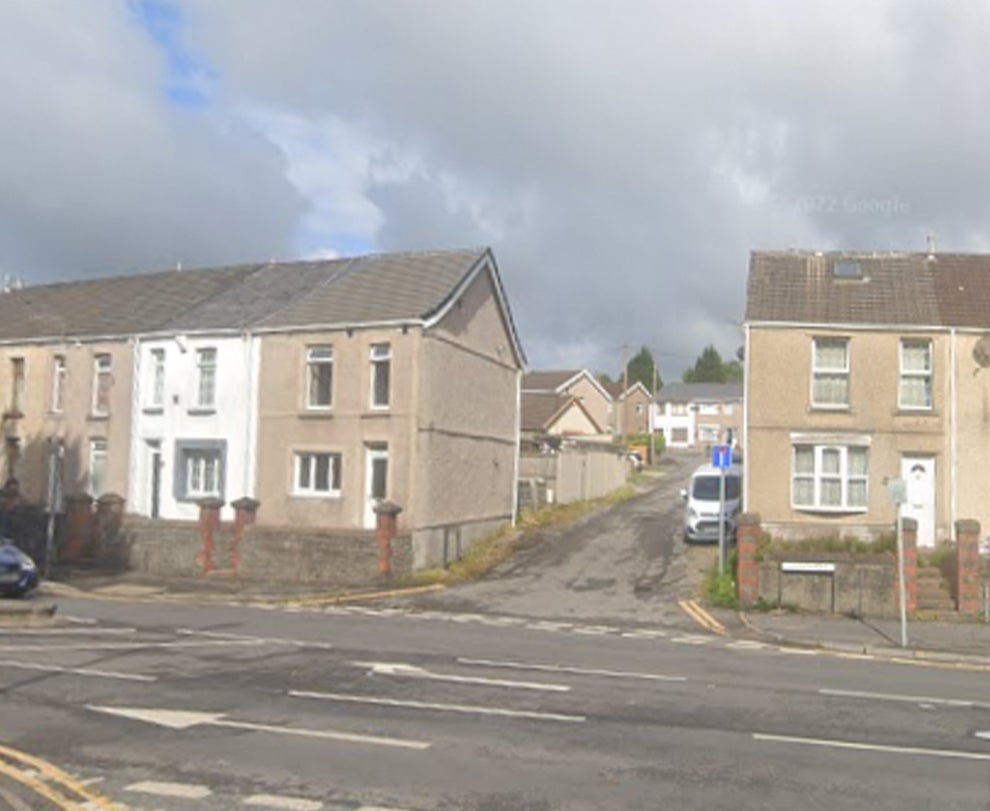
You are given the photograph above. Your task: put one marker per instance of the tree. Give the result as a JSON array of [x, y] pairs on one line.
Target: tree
[[710, 368], [641, 368]]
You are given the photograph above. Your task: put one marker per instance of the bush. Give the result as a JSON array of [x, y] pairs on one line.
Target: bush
[[720, 587]]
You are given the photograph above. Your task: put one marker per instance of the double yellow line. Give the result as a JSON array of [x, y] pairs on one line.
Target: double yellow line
[[53, 784], [702, 617]]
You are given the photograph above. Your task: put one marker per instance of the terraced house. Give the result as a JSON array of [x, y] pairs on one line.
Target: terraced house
[[862, 369], [318, 388]]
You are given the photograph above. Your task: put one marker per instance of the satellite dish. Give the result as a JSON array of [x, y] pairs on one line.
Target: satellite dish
[[981, 352]]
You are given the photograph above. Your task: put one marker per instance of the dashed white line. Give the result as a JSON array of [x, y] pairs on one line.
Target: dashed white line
[[266, 640], [547, 625], [861, 746], [946, 702], [185, 791], [412, 672], [594, 630], [283, 803], [78, 671], [578, 671]]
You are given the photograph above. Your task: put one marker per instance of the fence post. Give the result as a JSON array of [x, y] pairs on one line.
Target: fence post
[[968, 566], [386, 524], [245, 511], [209, 520], [748, 571]]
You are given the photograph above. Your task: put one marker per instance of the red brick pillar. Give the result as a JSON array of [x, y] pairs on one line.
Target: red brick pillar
[[209, 520], [386, 525], [78, 526], [909, 531], [245, 511], [748, 572], [968, 566]]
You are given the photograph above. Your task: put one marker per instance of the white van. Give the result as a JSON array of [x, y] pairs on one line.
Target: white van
[[701, 501]]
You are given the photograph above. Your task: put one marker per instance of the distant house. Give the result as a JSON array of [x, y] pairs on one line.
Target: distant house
[[547, 413], [318, 388], [864, 369], [632, 408], [692, 414], [594, 398]]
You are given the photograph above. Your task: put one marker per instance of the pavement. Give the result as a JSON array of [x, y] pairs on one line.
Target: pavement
[[936, 640]]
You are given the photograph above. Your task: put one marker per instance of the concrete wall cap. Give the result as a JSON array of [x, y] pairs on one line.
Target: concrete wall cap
[[246, 503], [748, 520], [210, 503], [967, 526], [110, 498], [387, 508]]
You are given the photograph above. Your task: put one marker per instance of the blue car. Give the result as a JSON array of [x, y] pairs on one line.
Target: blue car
[[18, 574]]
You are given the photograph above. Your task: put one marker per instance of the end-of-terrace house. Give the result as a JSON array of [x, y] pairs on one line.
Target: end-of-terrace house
[[863, 369], [692, 414], [581, 384], [317, 388], [632, 408]]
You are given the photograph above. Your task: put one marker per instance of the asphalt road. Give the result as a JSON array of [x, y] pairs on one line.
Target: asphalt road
[[602, 696]]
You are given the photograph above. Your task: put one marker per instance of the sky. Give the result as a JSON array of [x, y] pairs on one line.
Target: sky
[[622, 159]]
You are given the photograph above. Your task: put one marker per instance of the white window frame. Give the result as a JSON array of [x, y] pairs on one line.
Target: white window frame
[[97, 466], [821, 372], [319, 358], [197, 463], [305, 470], [381, 363], [59, 373], [102, 367], [926, 375], [156, 382], [206, 377], [818, 476], [708, 409]]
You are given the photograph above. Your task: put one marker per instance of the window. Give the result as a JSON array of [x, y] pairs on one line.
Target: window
[[319, 362], [678, 409], [830, 387], [17, 389], [58, 383], [206, 377], [101, 385], [830, 477], [381, 366], [199, 468], [708, 433], [97, 467], [156, 379], [708, 408], [318, 474], [916, 375]]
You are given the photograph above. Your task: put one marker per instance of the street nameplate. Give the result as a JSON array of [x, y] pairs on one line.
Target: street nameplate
[[807, 567]]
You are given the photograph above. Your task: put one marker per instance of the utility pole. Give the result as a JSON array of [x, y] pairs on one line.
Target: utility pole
[[653, 405], [620, 419]]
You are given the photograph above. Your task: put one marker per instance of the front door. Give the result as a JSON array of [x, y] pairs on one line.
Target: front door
[[154, 477], [376, 480], [918, 473]]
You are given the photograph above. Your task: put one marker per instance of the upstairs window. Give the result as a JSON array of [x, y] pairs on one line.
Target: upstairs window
[[102, 380], [206, 377], [58, 383], [156, 379], [830, 373], [17, 376], [830, 478], [381, 372], [916, 375], [319, 364]]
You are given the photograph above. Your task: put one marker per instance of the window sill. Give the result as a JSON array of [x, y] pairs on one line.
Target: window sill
[[201, 411], [915, 412], [97, 417], [332, 495], [376, 412], [152, 410], [316, 414], [830, 409], [830, 511]]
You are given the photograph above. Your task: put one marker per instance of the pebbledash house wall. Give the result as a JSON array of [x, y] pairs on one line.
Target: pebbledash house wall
[[779, 410], [463, 477]]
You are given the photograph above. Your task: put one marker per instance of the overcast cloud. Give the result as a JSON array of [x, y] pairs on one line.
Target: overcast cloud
[[622, 159]]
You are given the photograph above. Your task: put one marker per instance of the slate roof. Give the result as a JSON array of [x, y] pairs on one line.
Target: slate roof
[[907, 289], [539, 409], [381, 288], [548, 380], [700, 392]]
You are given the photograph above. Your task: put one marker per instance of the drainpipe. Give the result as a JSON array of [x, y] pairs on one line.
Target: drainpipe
[[745, 419], [515, 476], [952, 430]]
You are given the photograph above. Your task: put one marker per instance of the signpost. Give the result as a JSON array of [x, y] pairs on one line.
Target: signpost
[[722, 459], [897, 490]]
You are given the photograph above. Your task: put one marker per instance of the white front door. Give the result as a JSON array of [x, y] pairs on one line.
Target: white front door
[[375, 480], [918, 473]]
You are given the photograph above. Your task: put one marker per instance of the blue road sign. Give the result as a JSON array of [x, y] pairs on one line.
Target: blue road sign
[[722, 456]]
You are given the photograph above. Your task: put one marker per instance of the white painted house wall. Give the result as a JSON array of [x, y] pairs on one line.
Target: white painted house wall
[[179, 426], [666, 422]]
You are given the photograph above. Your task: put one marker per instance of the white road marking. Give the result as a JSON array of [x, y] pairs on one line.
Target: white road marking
[[284, 803], [265, 640], [644, 634], [746, 644], [947, 702], [184, 719], [692, 639], [594, 630], [66, 631], [77, 671], [546, 625], [984, 735], [580, 671], [412, 672], [875, 747], [135, 645], [424, 705], [186, 791], [798, 651]]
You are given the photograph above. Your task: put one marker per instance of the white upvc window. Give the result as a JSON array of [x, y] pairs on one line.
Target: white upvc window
[[202, 473], [830, 478], [708, 408], [58, 383], [206, 377], [317, 474], [830, 373], [97, 467], [319, 387], [381, 374], [915, 391], [156, 379], [102, 379]]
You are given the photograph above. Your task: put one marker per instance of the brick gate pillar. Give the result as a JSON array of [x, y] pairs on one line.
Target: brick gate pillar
[[909, 531], [748, 572], [386, 525], [209, 520], [245, 511], [78, 529], [968, 566]]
